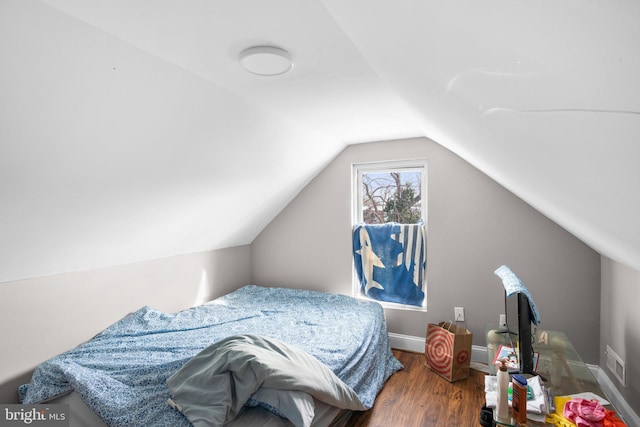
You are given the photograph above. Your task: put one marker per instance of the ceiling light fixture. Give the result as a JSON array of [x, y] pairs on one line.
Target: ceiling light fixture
[[266, 60]]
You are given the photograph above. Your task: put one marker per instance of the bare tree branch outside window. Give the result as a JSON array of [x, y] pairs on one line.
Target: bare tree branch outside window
[[391, 197]]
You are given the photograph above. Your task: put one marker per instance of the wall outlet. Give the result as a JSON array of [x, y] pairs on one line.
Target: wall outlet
[[458, 314], [616, 365]]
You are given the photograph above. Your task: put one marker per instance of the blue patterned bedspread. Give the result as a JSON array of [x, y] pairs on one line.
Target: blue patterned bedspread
[[121, 373]]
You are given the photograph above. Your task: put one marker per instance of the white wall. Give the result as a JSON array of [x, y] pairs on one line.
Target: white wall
[[43, 317], [620, 314], [110, 155], [474, 226]]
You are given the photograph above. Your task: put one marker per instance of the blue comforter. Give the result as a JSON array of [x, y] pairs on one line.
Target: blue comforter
[[121, 373]]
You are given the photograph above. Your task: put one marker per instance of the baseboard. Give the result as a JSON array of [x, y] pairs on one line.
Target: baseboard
[[416, 345], [406, 342], [479, 354]]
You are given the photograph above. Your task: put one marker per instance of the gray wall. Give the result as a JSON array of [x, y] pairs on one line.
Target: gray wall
[[43, 317], [621, 325], [474, 226]]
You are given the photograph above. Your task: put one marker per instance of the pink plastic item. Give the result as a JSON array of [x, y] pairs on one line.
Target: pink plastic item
[[585, 413]]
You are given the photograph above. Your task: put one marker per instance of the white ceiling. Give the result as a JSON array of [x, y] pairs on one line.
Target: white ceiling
[[128, 130]]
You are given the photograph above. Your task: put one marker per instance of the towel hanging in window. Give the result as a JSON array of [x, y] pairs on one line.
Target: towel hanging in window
[[390, 261]]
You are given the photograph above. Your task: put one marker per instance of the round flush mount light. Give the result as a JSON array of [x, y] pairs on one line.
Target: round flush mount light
[[266, 60]]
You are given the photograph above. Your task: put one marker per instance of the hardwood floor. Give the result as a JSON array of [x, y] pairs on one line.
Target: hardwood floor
[[416, 397]]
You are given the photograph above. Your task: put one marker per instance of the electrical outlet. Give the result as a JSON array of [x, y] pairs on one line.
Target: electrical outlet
[[458, 314], [616, 365]]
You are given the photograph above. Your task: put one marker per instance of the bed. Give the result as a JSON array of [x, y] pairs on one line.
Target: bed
[[122, 374]]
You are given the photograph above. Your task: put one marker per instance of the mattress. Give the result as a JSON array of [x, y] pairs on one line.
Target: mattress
[[121, 373]]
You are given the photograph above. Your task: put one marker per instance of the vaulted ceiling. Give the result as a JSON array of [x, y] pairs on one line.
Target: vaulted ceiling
[[129, 130]]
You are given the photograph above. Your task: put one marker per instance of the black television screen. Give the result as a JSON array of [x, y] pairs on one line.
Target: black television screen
[[525, 339], [527, 314]]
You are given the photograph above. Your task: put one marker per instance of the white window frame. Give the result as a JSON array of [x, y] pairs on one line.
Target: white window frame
[[360, 169]]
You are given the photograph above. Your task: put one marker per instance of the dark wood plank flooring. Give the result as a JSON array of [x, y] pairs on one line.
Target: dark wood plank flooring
[[416, 397]]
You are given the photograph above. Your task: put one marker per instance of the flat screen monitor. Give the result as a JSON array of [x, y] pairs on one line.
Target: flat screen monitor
[[525, 338], [527, 314]]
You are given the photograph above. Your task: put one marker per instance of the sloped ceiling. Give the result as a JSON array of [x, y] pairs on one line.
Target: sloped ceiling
[[129, 131]]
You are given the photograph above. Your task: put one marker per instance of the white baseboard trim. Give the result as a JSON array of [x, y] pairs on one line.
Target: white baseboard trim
[[479, 354], [407, 342], [416, 345]]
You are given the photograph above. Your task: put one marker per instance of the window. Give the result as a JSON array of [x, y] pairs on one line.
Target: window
[[389, 232]]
